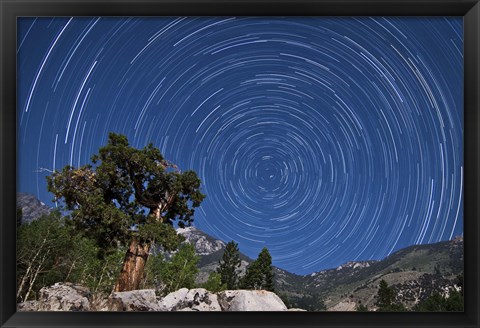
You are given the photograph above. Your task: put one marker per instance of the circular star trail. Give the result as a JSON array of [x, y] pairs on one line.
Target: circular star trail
[[324, 139]]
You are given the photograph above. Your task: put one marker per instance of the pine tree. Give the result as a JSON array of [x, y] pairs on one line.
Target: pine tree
[[253, 277], [266, 269], [386, 299], [385, 295], [229, 265], [361, 308], [259, 273]]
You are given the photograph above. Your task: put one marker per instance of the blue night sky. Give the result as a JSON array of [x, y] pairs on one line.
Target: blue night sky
[[324, 139]]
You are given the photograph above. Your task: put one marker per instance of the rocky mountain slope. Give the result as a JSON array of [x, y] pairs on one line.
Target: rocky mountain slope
[[31, 207], [415, 272]]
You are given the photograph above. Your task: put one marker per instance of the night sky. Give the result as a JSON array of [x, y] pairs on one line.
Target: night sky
[[324, 139]]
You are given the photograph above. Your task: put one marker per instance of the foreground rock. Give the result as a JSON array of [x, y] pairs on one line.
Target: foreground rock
[[197, 299], [135, 300], [28, 306], [60, 297], [70, 297], [250, 300]]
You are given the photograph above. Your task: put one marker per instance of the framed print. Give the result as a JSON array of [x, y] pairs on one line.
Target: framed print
[[309, 163]]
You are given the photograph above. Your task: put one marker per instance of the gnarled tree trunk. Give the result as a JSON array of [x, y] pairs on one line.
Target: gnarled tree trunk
[[133, 267]]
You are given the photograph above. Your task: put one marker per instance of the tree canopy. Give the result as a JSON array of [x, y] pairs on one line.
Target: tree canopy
[[128, 191]]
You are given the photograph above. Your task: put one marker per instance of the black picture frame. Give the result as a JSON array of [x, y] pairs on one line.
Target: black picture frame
[[11, 9]]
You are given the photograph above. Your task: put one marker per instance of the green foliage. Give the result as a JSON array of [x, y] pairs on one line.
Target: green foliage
[[385, 295], [152, 271], [229, 265], [435, 303], [39, 245], [259, 273], [361, 308], [312, 303], [386, 299], [459, 283], [50, 251], [438, 303], [252, 278], [214, 283], [436, 270], [181, 270], [285, 299], [126, 187], [455, 302], [317, 304], [82, 265], [19, 216]]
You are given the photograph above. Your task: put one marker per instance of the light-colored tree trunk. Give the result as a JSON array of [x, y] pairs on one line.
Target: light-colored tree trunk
[[180, 280], [27, 274], [133, 267], [70, 269], [34, 278]]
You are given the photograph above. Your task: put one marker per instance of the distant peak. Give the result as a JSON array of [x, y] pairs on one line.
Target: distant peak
[[32, 208], [186, 229], [204, 244], [355, 265]]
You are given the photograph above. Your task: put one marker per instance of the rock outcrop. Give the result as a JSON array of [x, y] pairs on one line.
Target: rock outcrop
[[203, 243], [60, 297], [198, 299], [70, 297], [135, 300], [250, 300], [32, 208]]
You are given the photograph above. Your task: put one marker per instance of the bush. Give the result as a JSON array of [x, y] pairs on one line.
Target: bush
[[214, 283]]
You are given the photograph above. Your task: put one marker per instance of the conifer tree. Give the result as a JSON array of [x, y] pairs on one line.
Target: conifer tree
[[386, 299], [229, 266], [128, 196], [385, 295], [259, 273]]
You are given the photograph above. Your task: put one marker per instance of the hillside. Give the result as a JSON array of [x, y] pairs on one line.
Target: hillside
[[415, 272]]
